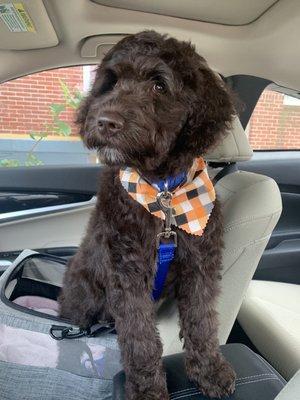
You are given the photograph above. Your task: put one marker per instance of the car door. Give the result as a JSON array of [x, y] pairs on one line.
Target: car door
[[48, 179], [274, 133]]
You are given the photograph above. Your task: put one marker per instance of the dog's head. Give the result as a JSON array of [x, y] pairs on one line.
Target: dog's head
[[155, 105]]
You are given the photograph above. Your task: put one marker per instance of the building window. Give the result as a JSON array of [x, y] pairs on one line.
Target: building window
[[290, 101]]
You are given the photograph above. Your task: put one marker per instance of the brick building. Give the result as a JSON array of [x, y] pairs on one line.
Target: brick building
[[275, 122], [25, 108], [25, 102]]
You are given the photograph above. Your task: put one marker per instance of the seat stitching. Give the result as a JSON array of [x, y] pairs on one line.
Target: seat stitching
[[191, 391], [269, 368], [255, 376], [187, 395], [259, 380], [238, 379], [249, 244], [245, 220], [261, 179], [242, 253], [271, 222], [223, 185], [184, 390]]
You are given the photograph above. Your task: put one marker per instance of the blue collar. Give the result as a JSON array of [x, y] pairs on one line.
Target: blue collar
[[172, 182]]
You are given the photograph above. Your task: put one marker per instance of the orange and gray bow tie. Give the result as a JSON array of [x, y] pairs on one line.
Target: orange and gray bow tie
[[191, 202]]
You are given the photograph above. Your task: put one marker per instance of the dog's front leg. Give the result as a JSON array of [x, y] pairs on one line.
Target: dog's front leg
[[205, 364], [132, 308], [198, 286]]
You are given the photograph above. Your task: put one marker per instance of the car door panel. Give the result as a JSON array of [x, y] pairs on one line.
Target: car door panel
[[51, 178], [63, 228], [281, 259], [60, 224]]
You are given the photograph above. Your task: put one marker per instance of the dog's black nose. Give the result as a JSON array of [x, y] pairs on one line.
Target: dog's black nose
[[110, 122]]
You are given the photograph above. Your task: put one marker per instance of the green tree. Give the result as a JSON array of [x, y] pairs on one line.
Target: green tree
[[71, 100]]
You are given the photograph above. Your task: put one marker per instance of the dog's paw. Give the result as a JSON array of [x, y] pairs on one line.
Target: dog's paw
[[133, 392], [217, 381]]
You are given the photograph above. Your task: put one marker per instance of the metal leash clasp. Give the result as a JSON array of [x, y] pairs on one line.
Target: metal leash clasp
[[59, 332], [164, 201]]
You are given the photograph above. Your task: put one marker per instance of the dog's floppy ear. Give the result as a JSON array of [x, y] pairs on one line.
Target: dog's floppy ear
[[87, 137], [101, 78], [212, 109], [82, 112]]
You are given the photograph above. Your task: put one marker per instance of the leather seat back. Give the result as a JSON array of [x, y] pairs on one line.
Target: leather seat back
[[251, 208]]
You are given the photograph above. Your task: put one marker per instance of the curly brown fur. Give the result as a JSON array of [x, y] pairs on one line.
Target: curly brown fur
[[169, 108]]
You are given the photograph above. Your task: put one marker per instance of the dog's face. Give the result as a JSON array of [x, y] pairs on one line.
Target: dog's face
[[154, 102]]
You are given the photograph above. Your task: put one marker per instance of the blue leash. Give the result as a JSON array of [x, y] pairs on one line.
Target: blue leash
[[166, 254], [165, 251]]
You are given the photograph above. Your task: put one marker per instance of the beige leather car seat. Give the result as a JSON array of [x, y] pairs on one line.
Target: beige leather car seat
[[270, 315], [251, 207], [292, 390]]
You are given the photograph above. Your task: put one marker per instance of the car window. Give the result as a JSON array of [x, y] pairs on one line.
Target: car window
[[37, 115], [275, 122]]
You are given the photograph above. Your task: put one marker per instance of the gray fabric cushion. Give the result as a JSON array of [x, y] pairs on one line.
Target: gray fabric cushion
[[19, 382]]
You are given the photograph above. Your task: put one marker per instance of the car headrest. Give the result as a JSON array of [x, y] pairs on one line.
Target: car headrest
[[234, 147]]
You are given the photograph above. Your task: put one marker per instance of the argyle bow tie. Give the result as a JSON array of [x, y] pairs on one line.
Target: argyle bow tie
[[192, 201]]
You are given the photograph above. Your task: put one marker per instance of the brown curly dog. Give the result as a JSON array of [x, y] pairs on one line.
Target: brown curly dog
[[155, 106]]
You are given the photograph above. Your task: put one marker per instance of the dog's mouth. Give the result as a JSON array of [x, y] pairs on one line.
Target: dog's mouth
[[110, 155]]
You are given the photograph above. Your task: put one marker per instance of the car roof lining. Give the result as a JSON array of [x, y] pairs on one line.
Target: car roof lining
[[229, 12], [256, 49]]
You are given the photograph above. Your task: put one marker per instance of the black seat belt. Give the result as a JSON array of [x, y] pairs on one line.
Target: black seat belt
[[229, 168]]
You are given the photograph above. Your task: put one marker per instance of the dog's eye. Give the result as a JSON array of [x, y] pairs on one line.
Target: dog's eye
[[159, 87], [109, 82]]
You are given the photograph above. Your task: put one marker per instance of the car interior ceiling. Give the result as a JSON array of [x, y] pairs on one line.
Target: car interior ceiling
[[63, 31]]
